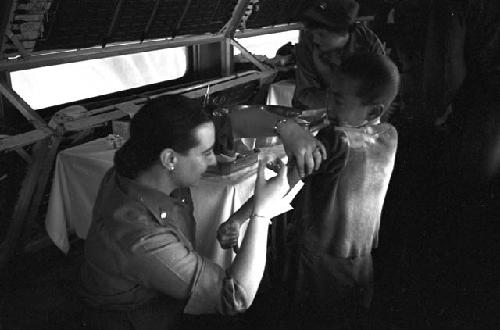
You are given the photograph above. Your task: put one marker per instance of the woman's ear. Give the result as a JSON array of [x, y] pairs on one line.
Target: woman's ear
[[375, 112], [168, 159]]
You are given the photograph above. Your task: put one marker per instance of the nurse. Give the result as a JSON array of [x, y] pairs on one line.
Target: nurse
[[141, 269]]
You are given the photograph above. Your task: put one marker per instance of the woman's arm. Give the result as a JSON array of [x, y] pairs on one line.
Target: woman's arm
[[248, 266]]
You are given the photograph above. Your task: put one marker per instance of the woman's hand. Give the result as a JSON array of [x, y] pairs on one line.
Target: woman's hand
[[302, 148], [268, 192], [228, 234]]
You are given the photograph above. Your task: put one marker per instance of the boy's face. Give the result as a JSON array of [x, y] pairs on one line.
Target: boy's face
[[327, 41], [345, 107]]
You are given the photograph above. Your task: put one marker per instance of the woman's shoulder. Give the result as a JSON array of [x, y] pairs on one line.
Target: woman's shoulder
[[131, 222]]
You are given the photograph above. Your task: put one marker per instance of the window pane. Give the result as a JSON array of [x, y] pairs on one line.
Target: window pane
[[51, 85], [267, 44]]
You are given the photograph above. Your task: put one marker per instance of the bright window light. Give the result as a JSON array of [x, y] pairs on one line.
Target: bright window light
[[267, 44], [52, 85]]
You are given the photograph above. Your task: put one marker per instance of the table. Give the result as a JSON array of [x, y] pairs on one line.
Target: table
[[78, 173], [281, 93]]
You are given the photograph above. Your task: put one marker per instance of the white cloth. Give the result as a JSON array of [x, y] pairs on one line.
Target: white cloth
[[79, 171], [281, 93]]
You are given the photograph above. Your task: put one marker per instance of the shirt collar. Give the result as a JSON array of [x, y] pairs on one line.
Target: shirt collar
[[158, 203]]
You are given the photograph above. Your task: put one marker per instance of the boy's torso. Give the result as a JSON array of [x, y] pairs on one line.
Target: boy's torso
[[339, 210]]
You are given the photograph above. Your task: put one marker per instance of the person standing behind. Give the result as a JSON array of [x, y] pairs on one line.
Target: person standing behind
[[337, 216], [331, 35]]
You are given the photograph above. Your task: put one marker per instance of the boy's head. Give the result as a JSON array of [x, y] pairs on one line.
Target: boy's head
[[362, 89], [329, 21]]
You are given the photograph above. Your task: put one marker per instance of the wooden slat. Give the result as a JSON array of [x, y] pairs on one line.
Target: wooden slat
[[250, 56], [21, 140], [21, 209], [23, 108], [88, 122], [230, 27], [24, 155], [43, 179], [150, 20], [18, 44], [113, 22], [181, 18], [265, 76], [6, 12], [39, 59], [267, 30]]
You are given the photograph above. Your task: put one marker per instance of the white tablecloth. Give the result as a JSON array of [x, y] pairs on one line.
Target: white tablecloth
[[281, 93], [78, 173]]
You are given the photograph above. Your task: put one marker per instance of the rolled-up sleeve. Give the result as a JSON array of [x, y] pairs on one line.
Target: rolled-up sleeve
[[162, 261]]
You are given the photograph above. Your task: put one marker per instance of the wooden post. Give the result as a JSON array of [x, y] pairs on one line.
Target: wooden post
[[6, 9], [30, 195], [227, 63]]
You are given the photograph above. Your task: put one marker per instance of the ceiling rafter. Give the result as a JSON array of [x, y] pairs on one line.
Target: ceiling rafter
[[6, 12]]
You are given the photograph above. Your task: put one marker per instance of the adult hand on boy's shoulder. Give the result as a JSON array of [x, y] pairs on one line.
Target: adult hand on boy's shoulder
[[302, 148]]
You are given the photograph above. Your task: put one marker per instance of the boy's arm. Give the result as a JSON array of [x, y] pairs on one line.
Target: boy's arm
[[299, 144], [229, 231]]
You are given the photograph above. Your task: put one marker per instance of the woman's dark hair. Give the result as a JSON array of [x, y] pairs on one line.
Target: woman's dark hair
[[165, 122], [377, 75]]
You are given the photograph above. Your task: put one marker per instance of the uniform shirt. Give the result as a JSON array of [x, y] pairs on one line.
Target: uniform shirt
[[141, 246], [339, 210], [313, 74]]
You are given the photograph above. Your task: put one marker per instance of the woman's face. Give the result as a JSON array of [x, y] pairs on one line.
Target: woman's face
[[190, 166]]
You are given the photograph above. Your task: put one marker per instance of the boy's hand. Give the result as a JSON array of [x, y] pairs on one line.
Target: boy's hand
[[228, 234], [302, 148]]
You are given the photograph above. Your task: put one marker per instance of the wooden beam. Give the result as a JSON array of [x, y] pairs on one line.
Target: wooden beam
[[3, 108], [235, 81], [18, 44], [230, 27], [227, 54], [267, 30], [21, 140], [88, 122], [23, 108], [151, 19], [6, 12], [24, 155], [102, 115], [28, 188], [113, 23], [183, 15], [41, 184], [250, 56], [39, 59]]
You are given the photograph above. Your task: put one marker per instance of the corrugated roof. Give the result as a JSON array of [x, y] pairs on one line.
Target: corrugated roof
[[45, 25]]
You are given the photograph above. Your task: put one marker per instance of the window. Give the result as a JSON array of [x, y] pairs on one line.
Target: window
[[267, 44], [52, 85]]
